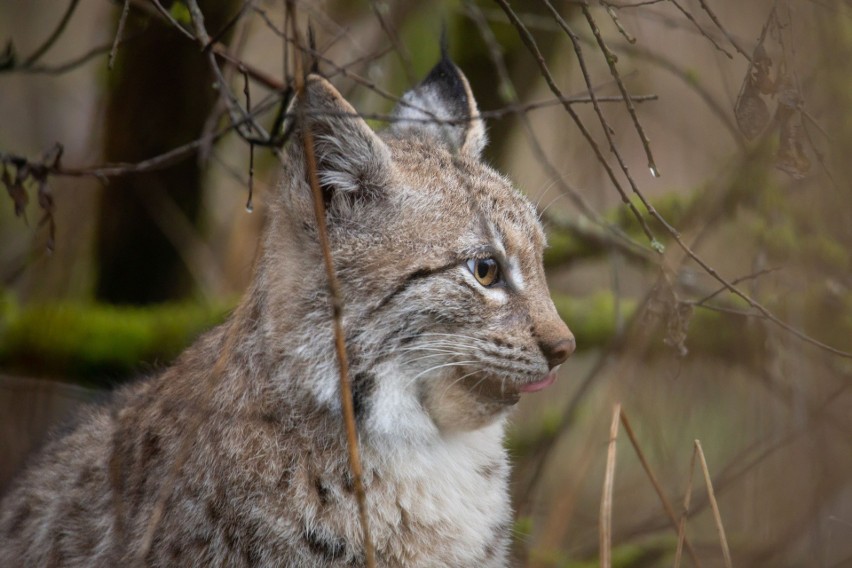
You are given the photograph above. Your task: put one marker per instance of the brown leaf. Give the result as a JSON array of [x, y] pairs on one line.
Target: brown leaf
[[762, 71], [45, 201], [16, 191], [750, 110], [792, 157]]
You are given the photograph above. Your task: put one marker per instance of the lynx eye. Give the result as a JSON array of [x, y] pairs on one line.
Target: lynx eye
[[485, 270]]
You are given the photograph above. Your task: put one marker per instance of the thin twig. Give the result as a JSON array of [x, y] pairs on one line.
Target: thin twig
[[730, 287], [723, 114], [157, 162], [71, 64], [48, 43], [247, 92], [726, 553], [611, 59], [398, 47], [606, 495], [616, 237], [336, 305], [237, 113], [615, 20], [229, 24], [530, 43], [745, 278], [719, 25], [690, 17], [121, 22], [175, 24]]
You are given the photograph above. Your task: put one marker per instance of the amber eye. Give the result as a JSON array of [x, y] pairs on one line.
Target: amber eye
[[485, 270]]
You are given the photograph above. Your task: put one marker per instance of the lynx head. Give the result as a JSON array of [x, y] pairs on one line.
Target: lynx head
[[446, 309]]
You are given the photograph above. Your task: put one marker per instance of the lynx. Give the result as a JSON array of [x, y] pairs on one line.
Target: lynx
[[236, 455]]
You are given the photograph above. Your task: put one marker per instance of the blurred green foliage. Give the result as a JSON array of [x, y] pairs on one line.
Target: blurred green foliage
[[98, 344]]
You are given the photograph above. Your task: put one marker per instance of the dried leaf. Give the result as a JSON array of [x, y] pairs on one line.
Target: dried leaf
[[16, 191], [45, 197], [788, 94], [45, 201], [8, 58], [750, 110], [664, 303], [677, 327], [762, 71], [792, 157]]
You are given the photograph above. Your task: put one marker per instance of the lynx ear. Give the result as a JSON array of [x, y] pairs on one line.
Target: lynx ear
[[444, 95], [352, 161]]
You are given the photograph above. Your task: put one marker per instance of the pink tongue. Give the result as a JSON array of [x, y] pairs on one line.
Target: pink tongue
[[548, 380]]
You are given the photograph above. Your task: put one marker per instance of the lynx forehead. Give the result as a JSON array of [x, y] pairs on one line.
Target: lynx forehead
[[236, 455]]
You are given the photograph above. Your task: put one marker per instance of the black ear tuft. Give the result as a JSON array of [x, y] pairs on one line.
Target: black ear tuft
[[443, 108]]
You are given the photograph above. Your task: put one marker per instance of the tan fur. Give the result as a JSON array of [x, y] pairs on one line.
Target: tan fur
[[235, 456]]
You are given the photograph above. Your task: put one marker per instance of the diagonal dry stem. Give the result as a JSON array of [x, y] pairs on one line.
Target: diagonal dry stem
[[336, 304], [606, 495], [726, 553], [681, 526], [663, 499]]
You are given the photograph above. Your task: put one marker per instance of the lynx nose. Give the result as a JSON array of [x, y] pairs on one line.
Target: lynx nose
[[558, 351]]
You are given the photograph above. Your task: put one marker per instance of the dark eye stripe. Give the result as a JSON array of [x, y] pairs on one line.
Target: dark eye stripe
[[411, 277]]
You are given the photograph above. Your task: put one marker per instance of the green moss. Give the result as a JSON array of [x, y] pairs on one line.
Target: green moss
[[98, 343], [523, 528], [562, 246], [629, 555], [826, 252], [592, 318], [180, 13], [580, 238]]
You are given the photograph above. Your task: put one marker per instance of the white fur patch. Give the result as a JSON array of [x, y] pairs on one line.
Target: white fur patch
[[516, 275]]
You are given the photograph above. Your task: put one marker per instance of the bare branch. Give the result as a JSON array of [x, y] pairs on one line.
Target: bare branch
[[719, 25], [400, 50], [121, 23], [528, 40], [691, 18], [48, 43], [610, 58]]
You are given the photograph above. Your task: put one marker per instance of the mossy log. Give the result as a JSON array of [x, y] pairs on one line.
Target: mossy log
[[98, 344]]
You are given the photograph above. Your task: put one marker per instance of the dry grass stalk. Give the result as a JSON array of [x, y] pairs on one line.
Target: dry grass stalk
[[663, 499], [336, 303], [726, 553], [681, 527], [606, 496]]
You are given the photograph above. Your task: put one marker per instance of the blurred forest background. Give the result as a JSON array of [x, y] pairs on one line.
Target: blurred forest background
[[700, 234]]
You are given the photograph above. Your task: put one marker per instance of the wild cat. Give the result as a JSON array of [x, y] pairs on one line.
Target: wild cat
[[236, 455]]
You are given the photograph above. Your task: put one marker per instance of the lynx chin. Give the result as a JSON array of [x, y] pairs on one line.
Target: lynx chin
[[236, 455]]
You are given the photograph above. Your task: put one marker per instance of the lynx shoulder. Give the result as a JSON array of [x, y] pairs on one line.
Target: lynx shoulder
[[236, 455]]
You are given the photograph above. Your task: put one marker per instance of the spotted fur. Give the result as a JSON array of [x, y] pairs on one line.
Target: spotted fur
[[235, 455]]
